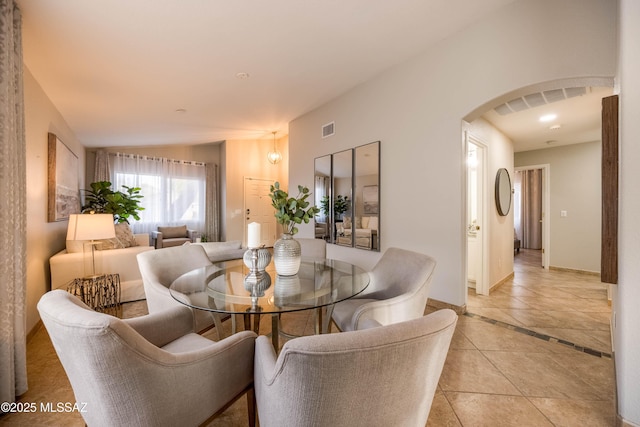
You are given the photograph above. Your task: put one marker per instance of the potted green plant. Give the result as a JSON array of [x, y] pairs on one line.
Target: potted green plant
[[340, 205], [290, 211], [123, 205]]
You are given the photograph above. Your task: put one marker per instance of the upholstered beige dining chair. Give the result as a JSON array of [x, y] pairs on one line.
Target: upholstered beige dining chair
[[383, 376], [398, 291], [312, 248], [159, 268], [146, 371]]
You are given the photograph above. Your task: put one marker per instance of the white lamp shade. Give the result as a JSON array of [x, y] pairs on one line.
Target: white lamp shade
[[91, 227]]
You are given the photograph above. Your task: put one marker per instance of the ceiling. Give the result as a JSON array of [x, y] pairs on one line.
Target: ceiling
[[577, 112], [154, 72]]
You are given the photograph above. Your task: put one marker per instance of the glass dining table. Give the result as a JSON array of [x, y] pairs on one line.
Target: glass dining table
[[225, 288]]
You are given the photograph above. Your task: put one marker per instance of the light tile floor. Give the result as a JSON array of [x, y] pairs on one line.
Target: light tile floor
[[534, 353]]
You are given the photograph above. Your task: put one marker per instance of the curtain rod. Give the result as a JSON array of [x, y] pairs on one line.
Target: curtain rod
[[157, 159]]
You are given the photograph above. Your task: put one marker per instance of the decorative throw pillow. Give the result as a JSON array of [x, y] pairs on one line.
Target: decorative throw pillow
[[173, 232], [373, 223], [365, 222], [346, 221], [75, 246], [108, 244], [125, 235]]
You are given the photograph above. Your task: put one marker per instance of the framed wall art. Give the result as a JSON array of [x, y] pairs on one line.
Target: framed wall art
[[370, 199], [64, 194]]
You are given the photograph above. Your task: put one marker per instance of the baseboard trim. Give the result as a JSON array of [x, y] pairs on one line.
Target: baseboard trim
[[575, 270], [34, 330], [620, 422], [501, 282], [438, 305]]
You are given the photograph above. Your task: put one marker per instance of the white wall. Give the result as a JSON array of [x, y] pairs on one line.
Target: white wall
[[43, 238], [415, 110], [575, 185], [248, 158], [627, 294]]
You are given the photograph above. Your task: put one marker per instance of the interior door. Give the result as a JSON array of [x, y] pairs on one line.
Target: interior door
[[477, 269], [257, 202]]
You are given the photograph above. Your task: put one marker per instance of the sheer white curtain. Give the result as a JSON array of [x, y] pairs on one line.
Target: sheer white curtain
[[13, 219], [212, 211], [102, 171], [321, 189], [173, 190]]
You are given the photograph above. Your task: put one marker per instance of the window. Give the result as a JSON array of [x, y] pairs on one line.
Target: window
[[173, 190]]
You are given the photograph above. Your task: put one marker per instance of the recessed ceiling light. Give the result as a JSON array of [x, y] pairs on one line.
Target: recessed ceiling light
[[242, 76], [548, 117], [554, 127]]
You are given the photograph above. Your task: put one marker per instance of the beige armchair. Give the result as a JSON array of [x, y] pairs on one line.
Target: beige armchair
[[397, 291], [383, 376], [160, 268], [150, 370], [167, 237]]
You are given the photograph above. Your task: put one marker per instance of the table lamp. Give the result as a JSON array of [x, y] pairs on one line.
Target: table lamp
[[91, 227]]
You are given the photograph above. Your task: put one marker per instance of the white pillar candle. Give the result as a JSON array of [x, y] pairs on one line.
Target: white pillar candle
[[253, 239]]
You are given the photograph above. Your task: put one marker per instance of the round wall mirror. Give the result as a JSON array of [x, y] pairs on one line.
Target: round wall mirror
[[503, 191]]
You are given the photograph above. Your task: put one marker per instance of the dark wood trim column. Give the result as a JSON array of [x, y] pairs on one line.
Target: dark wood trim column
[[609, 250]]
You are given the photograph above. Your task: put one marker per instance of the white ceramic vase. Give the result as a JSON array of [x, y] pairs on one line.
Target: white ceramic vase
[[286, 255]]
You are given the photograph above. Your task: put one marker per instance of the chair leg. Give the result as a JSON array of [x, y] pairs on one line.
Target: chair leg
[[251, 406], [234, 328], [218, 323]]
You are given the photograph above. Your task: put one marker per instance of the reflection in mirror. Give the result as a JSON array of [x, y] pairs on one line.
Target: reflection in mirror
[[367, 196], [321, 193], [341, 198]]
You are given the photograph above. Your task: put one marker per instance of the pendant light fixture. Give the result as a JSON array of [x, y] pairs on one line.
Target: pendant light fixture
[[274, 156]]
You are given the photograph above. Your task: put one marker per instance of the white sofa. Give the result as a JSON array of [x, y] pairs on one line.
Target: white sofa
[[66, 266], [366, 232], [223, 251]]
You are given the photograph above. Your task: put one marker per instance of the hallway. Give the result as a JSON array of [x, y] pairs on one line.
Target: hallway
[[569, 306]]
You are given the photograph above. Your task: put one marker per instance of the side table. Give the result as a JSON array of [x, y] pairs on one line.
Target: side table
[[100, 292]]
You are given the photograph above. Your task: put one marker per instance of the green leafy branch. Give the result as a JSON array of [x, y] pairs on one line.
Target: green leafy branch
[[291, 211], [123, 205]]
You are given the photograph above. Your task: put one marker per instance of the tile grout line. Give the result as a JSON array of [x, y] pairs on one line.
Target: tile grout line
[[543, 337]]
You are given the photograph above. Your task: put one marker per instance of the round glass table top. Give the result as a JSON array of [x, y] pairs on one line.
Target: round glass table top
[[222, 287]]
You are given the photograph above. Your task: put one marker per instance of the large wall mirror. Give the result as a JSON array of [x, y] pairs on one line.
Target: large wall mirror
[[367, 196], [341, 197], [347, 192], [322, 194], [503, 192]]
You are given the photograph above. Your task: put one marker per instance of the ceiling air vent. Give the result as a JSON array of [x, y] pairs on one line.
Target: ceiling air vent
[[575, 91], [539, 98], [328, 129], [535, 99], [554, 95]]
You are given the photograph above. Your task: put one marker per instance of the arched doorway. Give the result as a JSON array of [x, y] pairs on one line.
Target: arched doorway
[[529, 98]]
